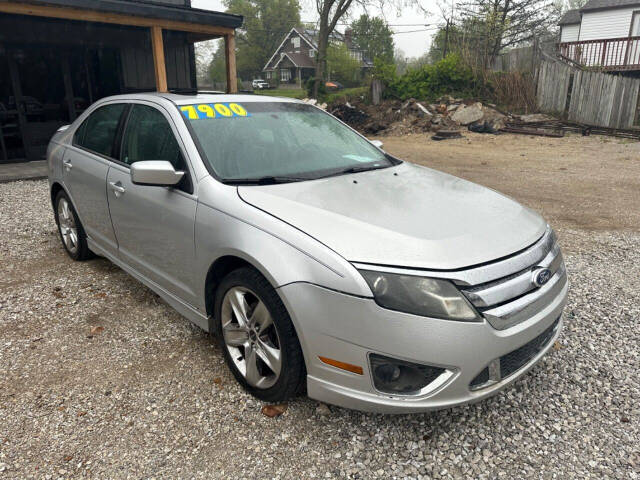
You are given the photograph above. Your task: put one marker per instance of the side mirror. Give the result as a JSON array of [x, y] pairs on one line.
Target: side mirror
[[377, 143], [155, 172]]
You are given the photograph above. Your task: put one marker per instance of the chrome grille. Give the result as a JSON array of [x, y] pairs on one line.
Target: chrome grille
[[514, 297]]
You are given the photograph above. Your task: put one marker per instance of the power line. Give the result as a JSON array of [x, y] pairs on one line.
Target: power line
[[360, 35], [347, 24], [387, 24]]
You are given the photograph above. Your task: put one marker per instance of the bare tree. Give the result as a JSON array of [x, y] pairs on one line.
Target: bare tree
[[500, 24], [330, 12], [447, 13]]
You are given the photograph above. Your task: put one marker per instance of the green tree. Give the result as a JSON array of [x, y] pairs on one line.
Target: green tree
[[266, 22], [444, 42], [373, 36], [341, 65], [218, 67]]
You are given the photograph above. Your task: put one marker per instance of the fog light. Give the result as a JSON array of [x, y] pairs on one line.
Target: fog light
[[391, 375], [387, 372]]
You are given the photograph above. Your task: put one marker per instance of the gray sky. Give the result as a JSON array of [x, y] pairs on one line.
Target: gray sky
[[412, 44]]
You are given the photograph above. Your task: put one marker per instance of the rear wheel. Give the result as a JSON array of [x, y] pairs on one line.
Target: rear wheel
[[260, 344], [70, 229]]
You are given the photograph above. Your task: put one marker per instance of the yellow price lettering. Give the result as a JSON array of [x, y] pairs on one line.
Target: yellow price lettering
[[207, 110], [223, 110], [238, 110], [191, 112]]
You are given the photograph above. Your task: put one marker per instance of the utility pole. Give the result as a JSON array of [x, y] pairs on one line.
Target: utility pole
[[449, 19]]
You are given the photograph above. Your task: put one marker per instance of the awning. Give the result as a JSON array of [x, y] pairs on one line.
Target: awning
[[141, 8]]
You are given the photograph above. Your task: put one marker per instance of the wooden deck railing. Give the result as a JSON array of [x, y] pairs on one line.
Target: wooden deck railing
[[608, 54]]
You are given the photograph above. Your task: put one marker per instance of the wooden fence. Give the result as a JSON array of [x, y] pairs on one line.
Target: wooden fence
[[592, 98], [522, 59]]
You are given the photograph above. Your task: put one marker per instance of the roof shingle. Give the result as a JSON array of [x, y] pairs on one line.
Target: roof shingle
[[570, 17], [602, 4]]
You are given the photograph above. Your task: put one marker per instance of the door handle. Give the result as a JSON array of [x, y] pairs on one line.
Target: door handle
[[67, 164], [117, 188]]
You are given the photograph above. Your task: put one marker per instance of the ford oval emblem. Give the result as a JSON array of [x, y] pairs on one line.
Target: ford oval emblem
[[541, 276]]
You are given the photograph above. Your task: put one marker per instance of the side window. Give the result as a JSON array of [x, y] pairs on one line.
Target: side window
[[148, 136], [98, 132]]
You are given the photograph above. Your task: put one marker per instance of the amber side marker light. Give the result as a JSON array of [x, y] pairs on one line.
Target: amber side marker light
[[342, 365]]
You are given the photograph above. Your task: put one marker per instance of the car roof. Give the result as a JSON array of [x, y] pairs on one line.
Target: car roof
[[188, 99]]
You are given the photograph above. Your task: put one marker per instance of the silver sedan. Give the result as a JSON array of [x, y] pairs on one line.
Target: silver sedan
[[321, 262]]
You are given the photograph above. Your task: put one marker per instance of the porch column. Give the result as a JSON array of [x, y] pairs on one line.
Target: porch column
[[158, 59], [22, 116], [230, 57]]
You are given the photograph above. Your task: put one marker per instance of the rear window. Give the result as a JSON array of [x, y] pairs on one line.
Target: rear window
[[98, 132]]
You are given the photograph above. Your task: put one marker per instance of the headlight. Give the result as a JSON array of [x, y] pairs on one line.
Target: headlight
[[423, 296]]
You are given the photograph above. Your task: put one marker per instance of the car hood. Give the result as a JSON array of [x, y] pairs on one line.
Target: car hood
[[407, 215]]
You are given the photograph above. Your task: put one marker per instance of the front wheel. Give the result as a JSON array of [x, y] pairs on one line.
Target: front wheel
[[258, 338]]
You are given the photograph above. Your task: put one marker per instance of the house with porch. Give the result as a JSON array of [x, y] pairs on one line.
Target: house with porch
[[294, 61], [59, 56], [604, 35]]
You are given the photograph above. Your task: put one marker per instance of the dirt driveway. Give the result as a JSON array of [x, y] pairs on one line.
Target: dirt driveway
[[590, 183], [101, 379]]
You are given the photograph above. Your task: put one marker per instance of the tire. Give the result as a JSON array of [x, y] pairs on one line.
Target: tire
[[72, 234], [277, 335]]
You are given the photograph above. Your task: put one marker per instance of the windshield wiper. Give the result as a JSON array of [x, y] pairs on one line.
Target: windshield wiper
[[355, 169], [267, 180]]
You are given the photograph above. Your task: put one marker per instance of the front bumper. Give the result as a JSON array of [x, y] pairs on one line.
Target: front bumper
[[347, 328]]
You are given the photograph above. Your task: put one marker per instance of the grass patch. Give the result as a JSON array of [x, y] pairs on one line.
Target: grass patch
[[345, 94]]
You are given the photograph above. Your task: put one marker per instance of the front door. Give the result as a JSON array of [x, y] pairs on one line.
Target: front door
[[154, 225], [85, 167]]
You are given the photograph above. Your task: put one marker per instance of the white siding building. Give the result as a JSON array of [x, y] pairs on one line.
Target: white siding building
[[570, 26], [603, 33], [614, 23]]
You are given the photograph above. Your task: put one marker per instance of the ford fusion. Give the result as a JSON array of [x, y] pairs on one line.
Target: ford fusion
[[322, 263]]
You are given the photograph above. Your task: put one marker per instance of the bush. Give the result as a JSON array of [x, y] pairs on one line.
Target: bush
[[322, 88], [387, 72], [448, 76]]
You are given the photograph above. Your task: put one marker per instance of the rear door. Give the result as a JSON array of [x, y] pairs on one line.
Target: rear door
[[85, 166], [154, 225]]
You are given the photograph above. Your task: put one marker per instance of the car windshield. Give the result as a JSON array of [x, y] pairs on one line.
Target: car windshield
[[274, 142]]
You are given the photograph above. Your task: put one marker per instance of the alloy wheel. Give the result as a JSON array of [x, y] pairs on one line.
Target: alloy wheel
[[67, 225], [251, 337]]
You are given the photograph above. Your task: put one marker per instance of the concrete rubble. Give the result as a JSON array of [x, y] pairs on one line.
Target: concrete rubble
[[394, 117]]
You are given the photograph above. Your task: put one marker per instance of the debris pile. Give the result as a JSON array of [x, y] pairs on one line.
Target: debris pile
[[393, 117], [448, 116], [350, 115]]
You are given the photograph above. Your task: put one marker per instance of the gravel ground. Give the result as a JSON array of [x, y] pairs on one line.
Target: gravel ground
[[100, 379]]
